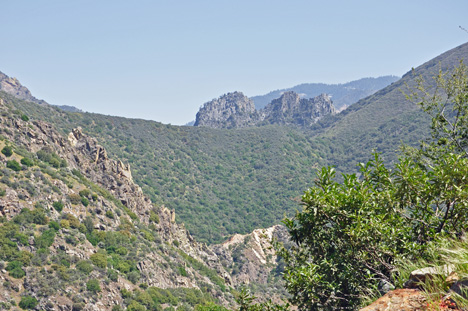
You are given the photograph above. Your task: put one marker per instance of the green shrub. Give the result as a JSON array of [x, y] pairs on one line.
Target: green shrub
[[54, 225], [75, 198], [154, 217], [84, 201], [99, 259], [78, 306], [27, 216], [27, 161], [121, 251], [24, 117], [28, 303], [7, 151], [135, 306], [89, 224], [74, 222], [147, 235], [14, 165], [58, 205], [133, 276], [48, 156], [109, 214], [46, 239], [124, 267], [93, 286], [22, 238], [113, 275], [64, 224], [15, 270], [85, 193], [126, 293], [85, 266]]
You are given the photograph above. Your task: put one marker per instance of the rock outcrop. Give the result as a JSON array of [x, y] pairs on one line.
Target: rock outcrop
[[13, 87], [251, 257], [235, 110], [232, 110], [401, 300], [291, 109]]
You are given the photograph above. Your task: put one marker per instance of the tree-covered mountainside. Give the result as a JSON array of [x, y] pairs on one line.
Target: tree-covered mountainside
[[386, 119], [222, 182]]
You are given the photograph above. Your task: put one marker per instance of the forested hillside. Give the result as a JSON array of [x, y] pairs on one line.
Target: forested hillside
[[222, 182]]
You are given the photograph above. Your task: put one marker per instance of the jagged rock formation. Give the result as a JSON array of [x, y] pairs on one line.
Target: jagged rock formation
[[290, 109], [251, 257], [232, 110], [235, 110]]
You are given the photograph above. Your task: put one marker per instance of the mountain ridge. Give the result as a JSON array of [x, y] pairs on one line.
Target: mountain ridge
[[343, 94], [13, 87]]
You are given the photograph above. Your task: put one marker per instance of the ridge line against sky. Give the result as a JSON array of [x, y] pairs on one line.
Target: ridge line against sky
[[161, 60]]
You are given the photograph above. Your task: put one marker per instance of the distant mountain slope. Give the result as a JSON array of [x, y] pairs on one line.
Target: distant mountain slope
[[13, 87], [343, 95], [383, 120]]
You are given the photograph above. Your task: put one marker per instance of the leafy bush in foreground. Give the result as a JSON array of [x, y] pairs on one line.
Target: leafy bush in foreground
[[349, 235]]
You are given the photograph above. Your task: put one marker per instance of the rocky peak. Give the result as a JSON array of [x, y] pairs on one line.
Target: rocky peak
[[235, 110], [287, 102], [230, 110], [290, 109], [13, 87]]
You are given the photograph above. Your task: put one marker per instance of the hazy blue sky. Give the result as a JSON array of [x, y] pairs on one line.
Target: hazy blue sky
[[162, 60]]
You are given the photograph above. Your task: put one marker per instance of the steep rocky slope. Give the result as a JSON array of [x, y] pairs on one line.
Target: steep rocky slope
[[235, 110]]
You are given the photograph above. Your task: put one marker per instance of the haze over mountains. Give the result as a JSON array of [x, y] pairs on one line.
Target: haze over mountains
[[343, 95]]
